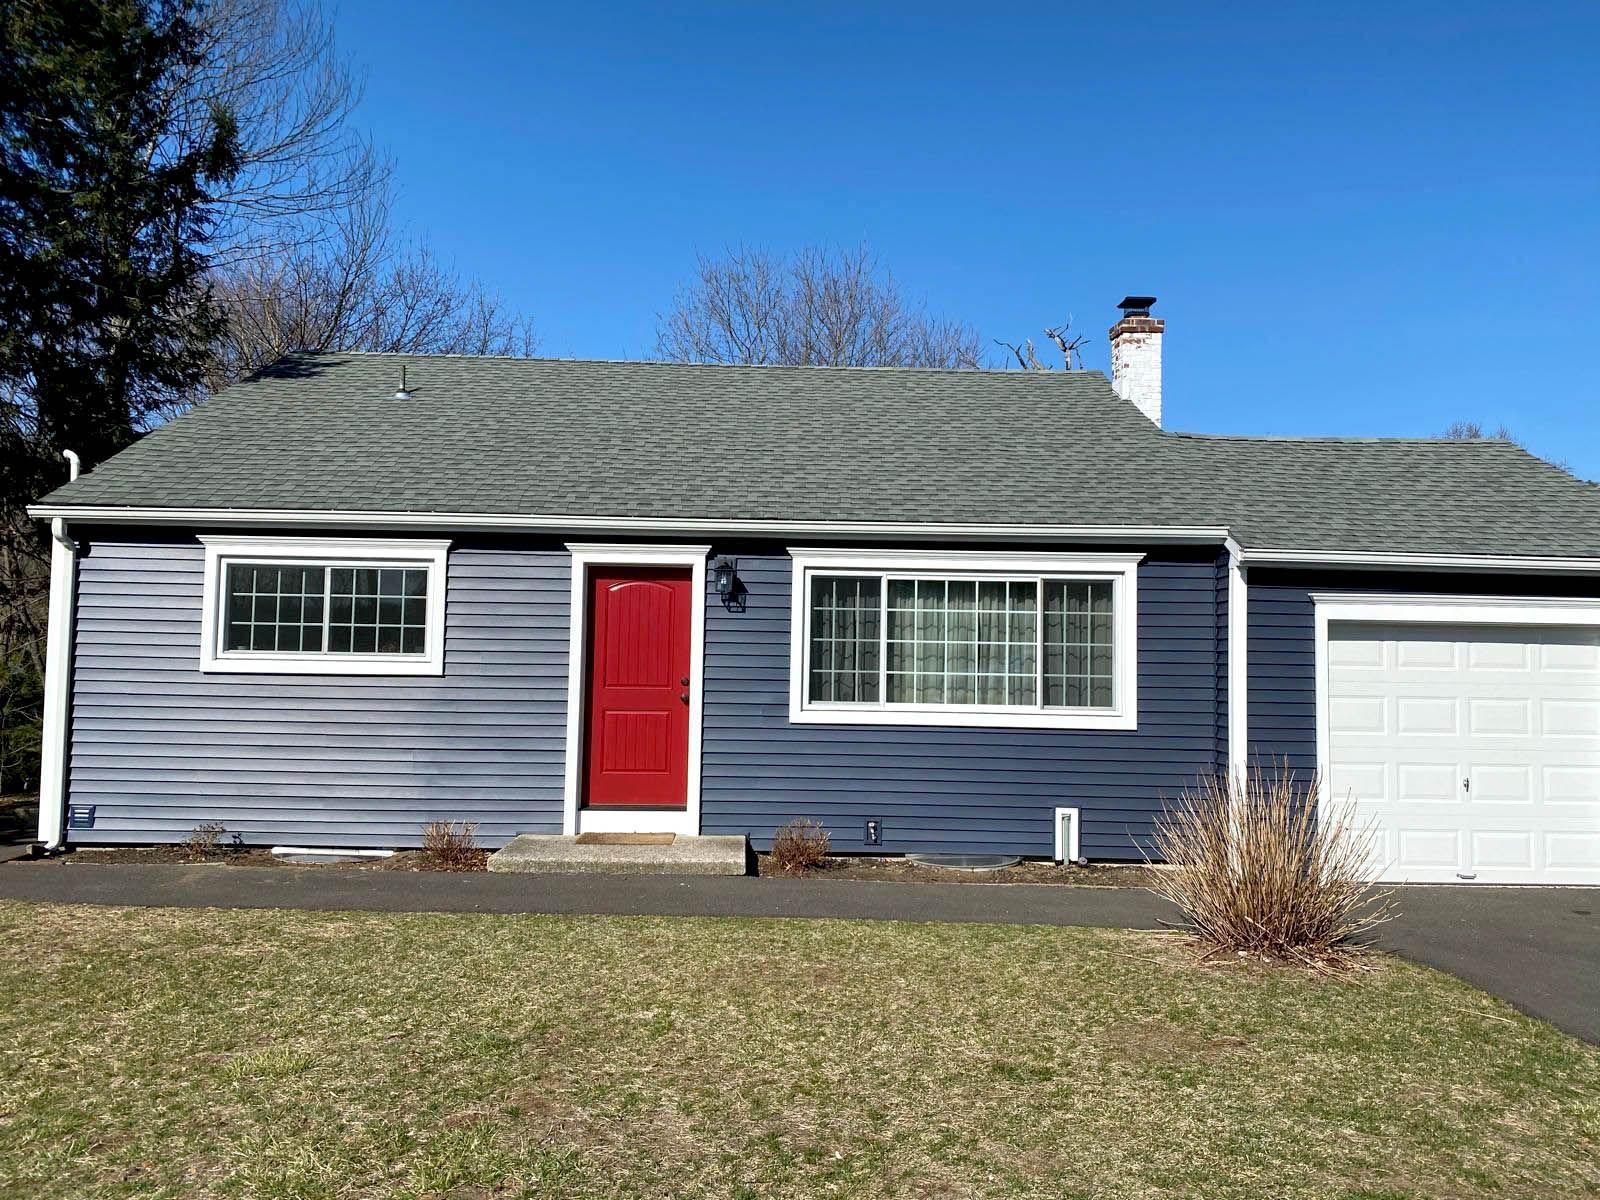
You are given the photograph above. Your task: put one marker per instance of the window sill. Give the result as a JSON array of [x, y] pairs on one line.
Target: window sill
[[322, 664], [911, 717]]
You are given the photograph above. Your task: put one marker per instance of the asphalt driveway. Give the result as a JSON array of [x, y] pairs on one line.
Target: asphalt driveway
[[1537, 948]]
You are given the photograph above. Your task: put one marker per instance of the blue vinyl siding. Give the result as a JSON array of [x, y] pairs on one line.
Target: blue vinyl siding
[[1282, 643], [331, 760], [952, 788], [159, 747]]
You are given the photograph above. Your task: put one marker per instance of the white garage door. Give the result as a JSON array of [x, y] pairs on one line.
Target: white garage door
[[1473, 750]]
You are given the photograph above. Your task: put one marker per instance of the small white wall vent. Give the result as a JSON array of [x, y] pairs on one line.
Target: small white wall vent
[[1067, 826]]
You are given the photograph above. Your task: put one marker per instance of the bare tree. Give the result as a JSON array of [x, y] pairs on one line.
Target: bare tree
[[818, 308], [1070, 345], [362, 288], [273, 65], [1472, 431]]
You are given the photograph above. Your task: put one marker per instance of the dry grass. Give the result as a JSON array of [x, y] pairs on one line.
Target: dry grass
[[1254, 867], [449, 847], [798, 847], [337, 1056]]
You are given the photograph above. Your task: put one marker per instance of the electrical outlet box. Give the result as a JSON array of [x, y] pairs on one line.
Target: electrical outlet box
[[80, 816], [874, 833]]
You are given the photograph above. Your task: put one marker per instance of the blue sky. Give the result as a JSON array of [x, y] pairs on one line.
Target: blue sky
[[1359, 218]]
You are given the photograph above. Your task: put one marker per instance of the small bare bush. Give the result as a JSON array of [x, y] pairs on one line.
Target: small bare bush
[[449, 847], [800, 846], [203, 842], [1254, 869]]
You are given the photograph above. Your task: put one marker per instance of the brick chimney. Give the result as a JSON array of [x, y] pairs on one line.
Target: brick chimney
[[1136, 356]]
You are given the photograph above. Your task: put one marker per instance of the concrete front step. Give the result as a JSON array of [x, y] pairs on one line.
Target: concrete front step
[[546, 854]]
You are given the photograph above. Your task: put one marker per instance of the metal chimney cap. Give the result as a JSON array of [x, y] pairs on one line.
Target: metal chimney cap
[[1136, 306]]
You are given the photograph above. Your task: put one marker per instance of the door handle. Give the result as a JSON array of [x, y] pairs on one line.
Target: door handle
[[684, 682], [684, 696]]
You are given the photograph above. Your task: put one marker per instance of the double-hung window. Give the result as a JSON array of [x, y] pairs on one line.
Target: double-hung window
[[323, 606], [965, 639]]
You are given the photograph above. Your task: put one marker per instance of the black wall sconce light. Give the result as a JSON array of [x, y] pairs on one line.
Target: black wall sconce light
[[725, 576]]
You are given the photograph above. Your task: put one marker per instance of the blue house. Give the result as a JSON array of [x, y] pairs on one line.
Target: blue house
[[934, 610]]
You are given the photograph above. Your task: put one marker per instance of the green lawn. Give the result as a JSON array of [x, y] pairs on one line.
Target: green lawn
[[205, 1053]]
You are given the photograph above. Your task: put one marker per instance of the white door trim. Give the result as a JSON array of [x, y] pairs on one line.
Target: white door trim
[[1405, 608], [584, 556]]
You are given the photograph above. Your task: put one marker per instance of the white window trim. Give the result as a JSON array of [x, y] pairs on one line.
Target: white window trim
[[1120, 569], [1409, 609], [574, 819], [307, 551]]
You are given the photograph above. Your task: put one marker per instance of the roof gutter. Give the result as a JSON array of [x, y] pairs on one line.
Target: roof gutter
[[654, 526], [1362, 560]]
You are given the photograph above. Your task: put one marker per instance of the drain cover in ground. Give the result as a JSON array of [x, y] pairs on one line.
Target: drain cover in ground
[[966, 862], [626, 839]]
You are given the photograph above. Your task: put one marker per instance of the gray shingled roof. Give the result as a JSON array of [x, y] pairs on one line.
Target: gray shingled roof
[[709, 443]]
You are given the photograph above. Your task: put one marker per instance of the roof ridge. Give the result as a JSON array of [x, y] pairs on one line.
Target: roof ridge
[[1011, 372], [1334, 438]]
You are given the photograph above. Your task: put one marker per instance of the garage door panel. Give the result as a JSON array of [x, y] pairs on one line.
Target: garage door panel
[[1475, 751], [1499, 850], [1577, 852], [1502, 717], [1362, 715], [1578, 656], [1417, 654], [1427, 716], [1514, 657], [1571, 718], [1495, 784], [1427, 783], [1572, 785], [1425, 849]]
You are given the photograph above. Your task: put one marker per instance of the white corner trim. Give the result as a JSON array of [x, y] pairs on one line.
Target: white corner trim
[[1067, 848], [584, 556], [1120, 569], [1412, 608], [310, 551], [1238, 666], [57, 686], [281, 518], [1539, 564]]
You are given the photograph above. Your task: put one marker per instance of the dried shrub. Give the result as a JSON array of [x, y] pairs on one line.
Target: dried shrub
[[448, 847], [800, 846], [1254, 869], [203, 842]]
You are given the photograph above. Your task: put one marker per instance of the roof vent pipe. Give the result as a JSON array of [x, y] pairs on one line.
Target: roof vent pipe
[[404, 393], [72, 464]]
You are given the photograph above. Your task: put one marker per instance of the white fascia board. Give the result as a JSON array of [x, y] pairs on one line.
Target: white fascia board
[[1534, 564], [924, 530]]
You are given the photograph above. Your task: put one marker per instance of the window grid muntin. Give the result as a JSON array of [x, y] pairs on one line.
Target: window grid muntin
[[402, 624], [1109, 686], [842, 658], [284, 604], [1082, 640]]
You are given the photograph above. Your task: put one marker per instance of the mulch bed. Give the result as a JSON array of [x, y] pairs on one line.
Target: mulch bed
[[882, 870], [900, 870], [254, 856]]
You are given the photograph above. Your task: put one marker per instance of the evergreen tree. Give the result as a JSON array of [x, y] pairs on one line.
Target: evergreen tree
[[105, 320], [104, 215]]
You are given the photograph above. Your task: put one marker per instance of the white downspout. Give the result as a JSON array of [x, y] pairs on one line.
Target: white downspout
[[1238, 663], [57, 678]]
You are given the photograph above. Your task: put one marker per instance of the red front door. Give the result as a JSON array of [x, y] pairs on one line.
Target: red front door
[[638, 708]]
